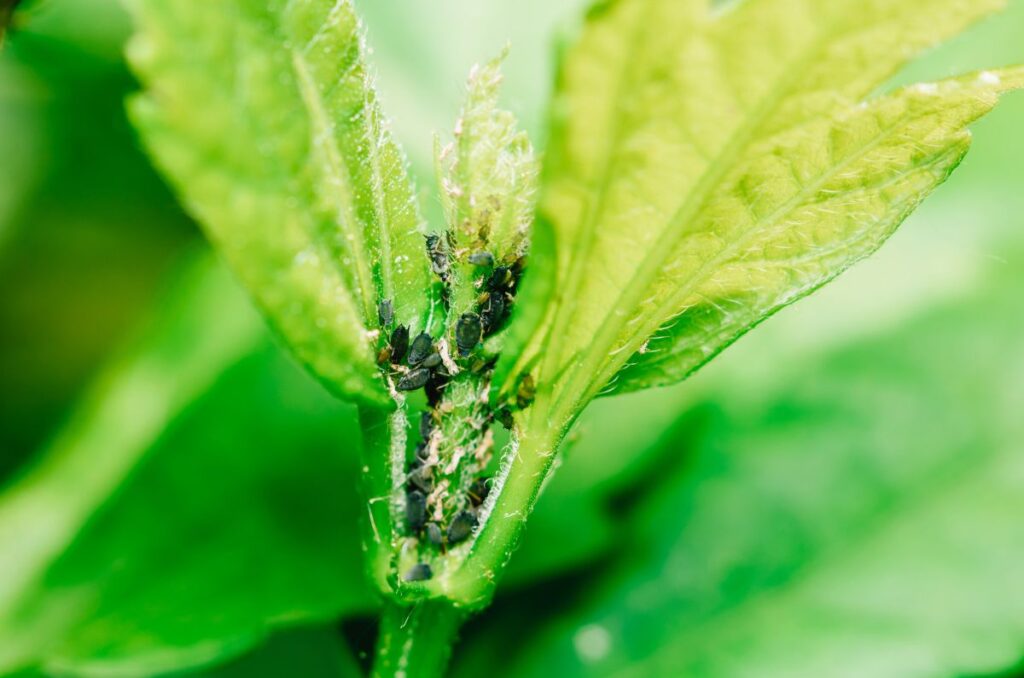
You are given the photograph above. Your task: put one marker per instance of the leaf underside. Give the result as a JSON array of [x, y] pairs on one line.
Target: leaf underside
[[264, 117], [710, 166]]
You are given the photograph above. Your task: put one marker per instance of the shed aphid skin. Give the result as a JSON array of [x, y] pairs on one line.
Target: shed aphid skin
[[481, 258], [418, 572]]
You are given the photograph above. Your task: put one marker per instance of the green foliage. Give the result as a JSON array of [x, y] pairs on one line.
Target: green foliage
[[120, 560], [710, 166], [290, 167], [859, 517], [705, 168]]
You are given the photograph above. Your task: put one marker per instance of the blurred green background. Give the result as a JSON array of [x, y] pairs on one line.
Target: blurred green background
[[839, 494]]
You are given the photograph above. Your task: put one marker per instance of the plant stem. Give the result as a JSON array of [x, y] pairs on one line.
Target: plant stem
[[416, 641]]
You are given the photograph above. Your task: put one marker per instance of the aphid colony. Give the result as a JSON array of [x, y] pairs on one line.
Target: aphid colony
[[445, 482]]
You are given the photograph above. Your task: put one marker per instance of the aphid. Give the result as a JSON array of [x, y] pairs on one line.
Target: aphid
[[384, 356], [385, 312], [504, 417], [500, 279], [527, 391], [478, 491], [468, 331], [438, 257], [421, 478], [415, 510], [434, 535], [461, 527], [422, 452], [481, 258], [435, 387], [419, 572], [422, 346], [493, 314], [431, 361], [413, 380], [399, 343], [426, 424]]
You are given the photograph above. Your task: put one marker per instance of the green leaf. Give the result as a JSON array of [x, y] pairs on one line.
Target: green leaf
[[290, 167], [489, 173], [308, 652], [858, 518], [711, 165], [130, 549]]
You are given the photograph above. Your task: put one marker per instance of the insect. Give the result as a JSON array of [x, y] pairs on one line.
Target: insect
[[426, 424], [461, 527], [435, 387], [421, 479], [413, 380], [481, 258], [500, 280], [526, 392], [438, 257], [399, 343], [422, 346], [419, 572], [493, 313], [504, 417], [478, 491], [415, 510], [434, 535], [468, 331], [432, 360], [385, 313]]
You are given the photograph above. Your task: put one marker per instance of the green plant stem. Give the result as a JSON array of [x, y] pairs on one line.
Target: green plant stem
[[416, 641]]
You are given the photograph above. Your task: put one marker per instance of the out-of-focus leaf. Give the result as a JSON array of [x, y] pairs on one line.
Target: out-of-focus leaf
[[858, 518], [289, 165], [194, 503], [307, 652], [711, 165]]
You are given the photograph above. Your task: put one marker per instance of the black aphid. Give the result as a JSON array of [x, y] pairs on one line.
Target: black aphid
[[438, 257], [493, 314], [435, 387], [399, 343], [421, 451], [419, 572], [468, 331], [431, 361], [504, 417], [385, 313], [481, 259], [461, 527], [415, 510], [422, 346], [413, 380], [434, 535], [500, 280], [421, 478], [478, 491], [426, 424]]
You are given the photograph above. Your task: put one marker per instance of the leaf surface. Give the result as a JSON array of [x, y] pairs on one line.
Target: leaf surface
[[711, 165], [290, 167], [129, 549], [859, 517]]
